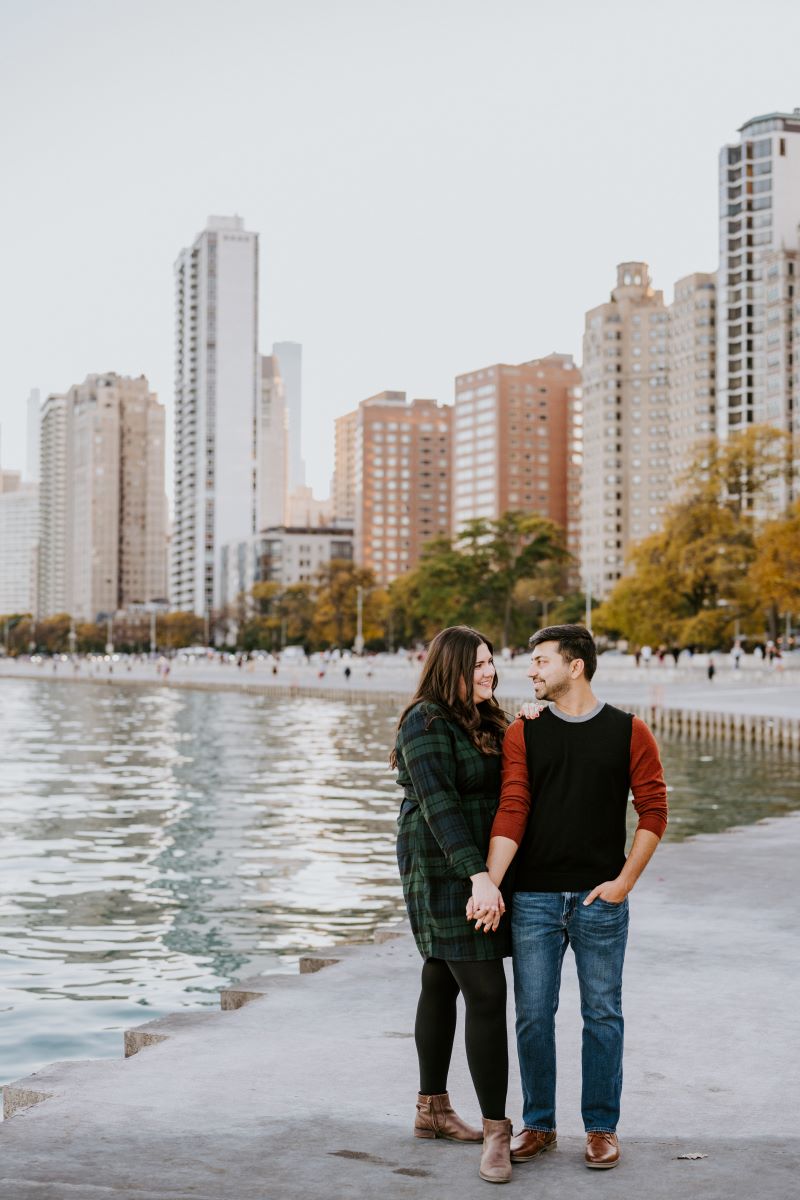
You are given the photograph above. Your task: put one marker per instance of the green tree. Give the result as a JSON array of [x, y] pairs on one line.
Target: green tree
[[90, 638], [296, 611], [688, 583], [336, 605], [774, 574], [177, 629]]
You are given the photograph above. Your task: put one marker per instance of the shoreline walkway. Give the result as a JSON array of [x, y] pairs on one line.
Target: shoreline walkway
[[307, 1093], [756, 690]]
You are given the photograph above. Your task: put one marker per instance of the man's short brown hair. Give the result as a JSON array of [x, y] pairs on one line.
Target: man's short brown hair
[[574, 641]]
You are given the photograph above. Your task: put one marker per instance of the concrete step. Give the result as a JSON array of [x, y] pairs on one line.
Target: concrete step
[[244, 991], [53, 1080], [153, 1032]]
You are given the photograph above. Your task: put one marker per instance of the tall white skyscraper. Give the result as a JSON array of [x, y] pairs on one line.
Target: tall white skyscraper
[[56, 457], [216, 406], [34, 417], [290, 358], [759, 213]]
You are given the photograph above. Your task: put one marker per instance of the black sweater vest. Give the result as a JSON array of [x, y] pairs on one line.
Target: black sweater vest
[[579, 773]]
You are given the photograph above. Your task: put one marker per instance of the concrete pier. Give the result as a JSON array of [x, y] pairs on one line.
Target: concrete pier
[[303, 1087]]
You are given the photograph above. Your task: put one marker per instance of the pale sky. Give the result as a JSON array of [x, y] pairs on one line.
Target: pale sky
[[438, 185]]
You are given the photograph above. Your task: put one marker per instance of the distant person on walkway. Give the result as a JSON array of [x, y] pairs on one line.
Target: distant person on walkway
[[711, 669], [448, 755], [566, 779]]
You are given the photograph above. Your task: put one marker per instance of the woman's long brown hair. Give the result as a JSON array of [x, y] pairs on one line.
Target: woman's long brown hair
[[449, 667]]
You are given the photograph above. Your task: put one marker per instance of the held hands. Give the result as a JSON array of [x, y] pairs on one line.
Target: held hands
[[613, 892], [486, 905], [530, 710]]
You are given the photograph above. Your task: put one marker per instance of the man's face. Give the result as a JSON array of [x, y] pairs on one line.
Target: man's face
[[550, 674]]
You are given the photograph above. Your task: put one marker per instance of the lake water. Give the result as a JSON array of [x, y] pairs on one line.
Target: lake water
[[158, 843]]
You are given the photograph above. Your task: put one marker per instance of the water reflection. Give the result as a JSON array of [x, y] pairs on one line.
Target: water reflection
[[157, 843]]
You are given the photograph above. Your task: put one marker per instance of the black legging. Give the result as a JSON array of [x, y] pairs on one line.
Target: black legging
[[483, 985]]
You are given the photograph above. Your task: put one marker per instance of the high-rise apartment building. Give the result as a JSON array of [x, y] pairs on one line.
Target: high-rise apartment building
[[216, 404], [33, 423], [401, 481], [343, 494], [290, 358], [513, 434], [54, 568], [285, 555], [626, 462], [19, 536], [272, 437], [692, 371], [759, 211], [102, 501]]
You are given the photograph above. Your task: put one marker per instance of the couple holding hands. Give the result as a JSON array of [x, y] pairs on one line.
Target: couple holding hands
[[511, 841]]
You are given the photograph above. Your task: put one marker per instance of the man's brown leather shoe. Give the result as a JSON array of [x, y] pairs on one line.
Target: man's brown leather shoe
[[602, 1150], [436, 1118], [531, 1143]]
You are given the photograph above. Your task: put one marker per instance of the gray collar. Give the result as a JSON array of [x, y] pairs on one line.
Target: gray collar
[[562, 716]]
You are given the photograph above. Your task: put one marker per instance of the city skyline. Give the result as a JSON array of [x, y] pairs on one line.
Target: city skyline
[[463, 261]]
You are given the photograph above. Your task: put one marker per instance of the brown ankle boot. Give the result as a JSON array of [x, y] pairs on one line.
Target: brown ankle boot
[[436, 1118], [496, 1158]]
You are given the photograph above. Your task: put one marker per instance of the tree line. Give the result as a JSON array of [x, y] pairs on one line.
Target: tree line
[[718, 566]]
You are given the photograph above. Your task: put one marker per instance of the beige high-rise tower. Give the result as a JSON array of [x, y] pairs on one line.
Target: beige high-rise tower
[[344, 472], [692, 371], [103, 509], [625, 478], [272, 446]]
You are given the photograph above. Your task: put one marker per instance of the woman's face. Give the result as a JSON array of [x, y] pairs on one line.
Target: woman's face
[[483, 675]]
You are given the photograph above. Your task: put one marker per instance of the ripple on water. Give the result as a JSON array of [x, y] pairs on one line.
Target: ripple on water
[[156, 844]]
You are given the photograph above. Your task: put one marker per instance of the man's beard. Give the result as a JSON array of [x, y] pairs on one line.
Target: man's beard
[[554, 690]]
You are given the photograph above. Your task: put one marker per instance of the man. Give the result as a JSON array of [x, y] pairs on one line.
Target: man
[[566, 780]]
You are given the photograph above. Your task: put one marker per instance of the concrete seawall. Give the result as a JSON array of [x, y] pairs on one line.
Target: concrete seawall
[[768, 718], [303, 1087]]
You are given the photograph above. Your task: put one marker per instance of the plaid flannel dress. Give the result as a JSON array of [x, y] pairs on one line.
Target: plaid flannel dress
[[451, 793]]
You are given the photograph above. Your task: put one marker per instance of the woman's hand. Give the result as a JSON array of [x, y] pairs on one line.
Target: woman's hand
[[486, 905], [530, 711]]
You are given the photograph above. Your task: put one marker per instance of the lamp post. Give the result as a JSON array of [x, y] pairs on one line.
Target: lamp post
[[358, 645], [110, 634]]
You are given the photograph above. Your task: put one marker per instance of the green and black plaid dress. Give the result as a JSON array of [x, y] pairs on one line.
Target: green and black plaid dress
[[451, 792]]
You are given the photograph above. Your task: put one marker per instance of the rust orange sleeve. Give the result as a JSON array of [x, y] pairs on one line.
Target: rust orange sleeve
[[647, 780], [515, 794]]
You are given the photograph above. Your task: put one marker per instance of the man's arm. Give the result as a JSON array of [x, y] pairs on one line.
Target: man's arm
[[615, 890], [650, 801]]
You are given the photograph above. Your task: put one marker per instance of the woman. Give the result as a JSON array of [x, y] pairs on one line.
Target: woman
[[448, 755]]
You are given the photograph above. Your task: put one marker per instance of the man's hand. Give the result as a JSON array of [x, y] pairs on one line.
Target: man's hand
[[613, 892], [486, 905]]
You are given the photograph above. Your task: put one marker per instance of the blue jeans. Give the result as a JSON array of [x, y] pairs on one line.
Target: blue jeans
[[543, 924]]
